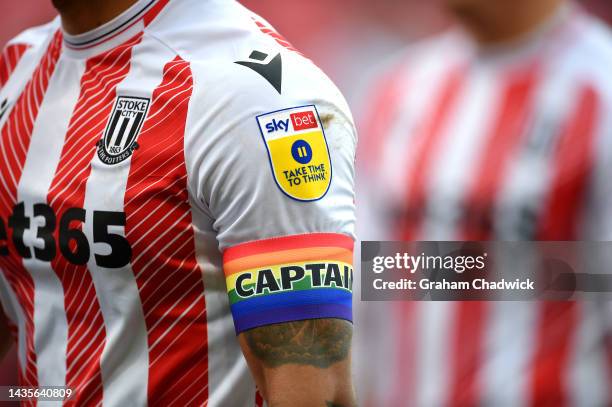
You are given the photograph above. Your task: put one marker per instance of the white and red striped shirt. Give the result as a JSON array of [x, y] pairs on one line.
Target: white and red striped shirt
[[133, 159], [508, 143]]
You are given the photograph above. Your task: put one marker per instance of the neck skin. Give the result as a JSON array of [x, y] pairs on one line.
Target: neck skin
[[79, 16], [495, 22]]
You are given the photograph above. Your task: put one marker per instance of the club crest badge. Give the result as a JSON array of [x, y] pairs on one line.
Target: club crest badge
[[298, 153], [124, 125]]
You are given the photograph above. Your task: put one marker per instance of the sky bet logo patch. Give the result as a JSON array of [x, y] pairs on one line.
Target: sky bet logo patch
[[304, 121], [281, 125], [298, 152]]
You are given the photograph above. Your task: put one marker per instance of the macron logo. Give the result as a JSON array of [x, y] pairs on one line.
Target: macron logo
[[304, 120], [276, 125]]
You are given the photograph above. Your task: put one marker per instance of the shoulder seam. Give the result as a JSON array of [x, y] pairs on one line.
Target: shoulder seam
[[42, 31], [164, 43]]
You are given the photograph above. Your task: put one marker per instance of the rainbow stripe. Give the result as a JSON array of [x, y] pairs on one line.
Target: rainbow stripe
[[290, 278]]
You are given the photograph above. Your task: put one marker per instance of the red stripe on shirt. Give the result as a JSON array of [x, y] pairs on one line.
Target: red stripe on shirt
[[572, 165], [553, 343], [386, 105], [15, 139], [506, 134], [160, 230], [9, 59], [259, 400], [86, 329], [154, 11], [467, 344], [404, 391], [264, 28], [426, 143]]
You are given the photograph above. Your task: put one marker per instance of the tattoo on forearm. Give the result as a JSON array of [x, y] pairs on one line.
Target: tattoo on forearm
[[316, 342]]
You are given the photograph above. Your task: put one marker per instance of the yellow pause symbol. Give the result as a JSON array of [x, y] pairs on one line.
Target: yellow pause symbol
[[301, 151]]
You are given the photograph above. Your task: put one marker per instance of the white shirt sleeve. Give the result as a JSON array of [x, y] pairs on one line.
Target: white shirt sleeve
[[274, 170]]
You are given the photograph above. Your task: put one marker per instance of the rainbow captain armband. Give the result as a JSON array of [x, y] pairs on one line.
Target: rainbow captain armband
[[290, 279]]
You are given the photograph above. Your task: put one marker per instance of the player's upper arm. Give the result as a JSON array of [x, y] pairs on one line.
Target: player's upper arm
[[275, 172]]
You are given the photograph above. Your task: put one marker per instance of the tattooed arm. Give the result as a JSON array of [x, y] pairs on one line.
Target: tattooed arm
[[303, 363]]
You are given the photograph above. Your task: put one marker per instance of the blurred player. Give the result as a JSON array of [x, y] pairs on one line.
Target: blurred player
[[166, 183], [498, 130]]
